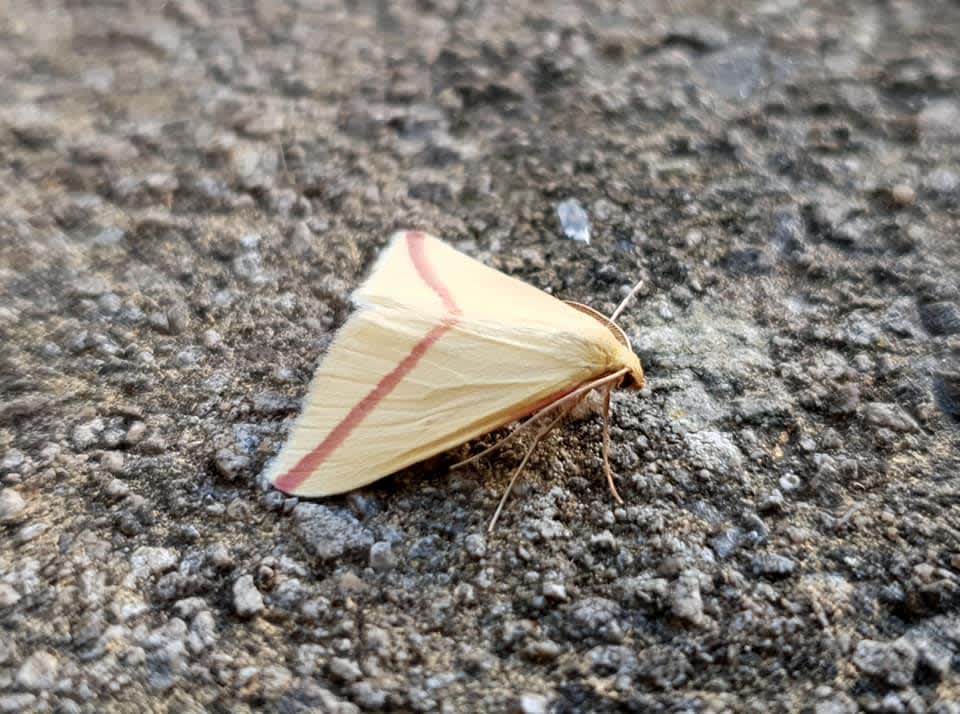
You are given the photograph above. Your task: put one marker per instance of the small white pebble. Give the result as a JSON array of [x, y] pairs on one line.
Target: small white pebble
[[554, 591], [112, 461], [247, 600], [532, 704], [212, 339], [903, 195], [117, 489], [11, 505]]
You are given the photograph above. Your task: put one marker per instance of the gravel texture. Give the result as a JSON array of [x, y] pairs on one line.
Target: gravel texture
[[187, 197]]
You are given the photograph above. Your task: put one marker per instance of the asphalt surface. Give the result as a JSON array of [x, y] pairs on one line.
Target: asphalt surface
[[189, 191]]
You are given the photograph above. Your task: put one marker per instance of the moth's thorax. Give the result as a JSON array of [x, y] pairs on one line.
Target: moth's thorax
[[624, 356], [634, 378]]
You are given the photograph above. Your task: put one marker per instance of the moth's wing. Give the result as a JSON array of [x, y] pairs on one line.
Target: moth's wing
[[395, 389], [422, 273], [441, 350], [405, 276]]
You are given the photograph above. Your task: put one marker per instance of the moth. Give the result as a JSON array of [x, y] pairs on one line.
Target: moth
[[440, 350]]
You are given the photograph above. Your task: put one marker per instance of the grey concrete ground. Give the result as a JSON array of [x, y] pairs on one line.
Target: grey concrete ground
[[189, 191]]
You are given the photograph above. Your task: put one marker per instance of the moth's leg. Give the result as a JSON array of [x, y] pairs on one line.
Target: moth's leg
[[573, 397], [513, 479], [606, 443]]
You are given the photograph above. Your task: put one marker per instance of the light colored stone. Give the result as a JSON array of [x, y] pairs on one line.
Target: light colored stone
[[38, 672], [247, 600], [11, 505], [148, 560], [532, 704], [8, 595]]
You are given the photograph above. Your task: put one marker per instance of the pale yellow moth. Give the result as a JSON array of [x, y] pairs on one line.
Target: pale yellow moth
[[440, 350]]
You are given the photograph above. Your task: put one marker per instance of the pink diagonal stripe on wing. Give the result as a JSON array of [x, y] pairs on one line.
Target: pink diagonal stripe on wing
[[293, 478]]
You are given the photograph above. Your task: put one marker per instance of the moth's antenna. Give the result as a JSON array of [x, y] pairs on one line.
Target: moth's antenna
[[623, 303]]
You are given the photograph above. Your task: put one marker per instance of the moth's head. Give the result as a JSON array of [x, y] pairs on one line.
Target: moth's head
[[628, 359], [634, 378]]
